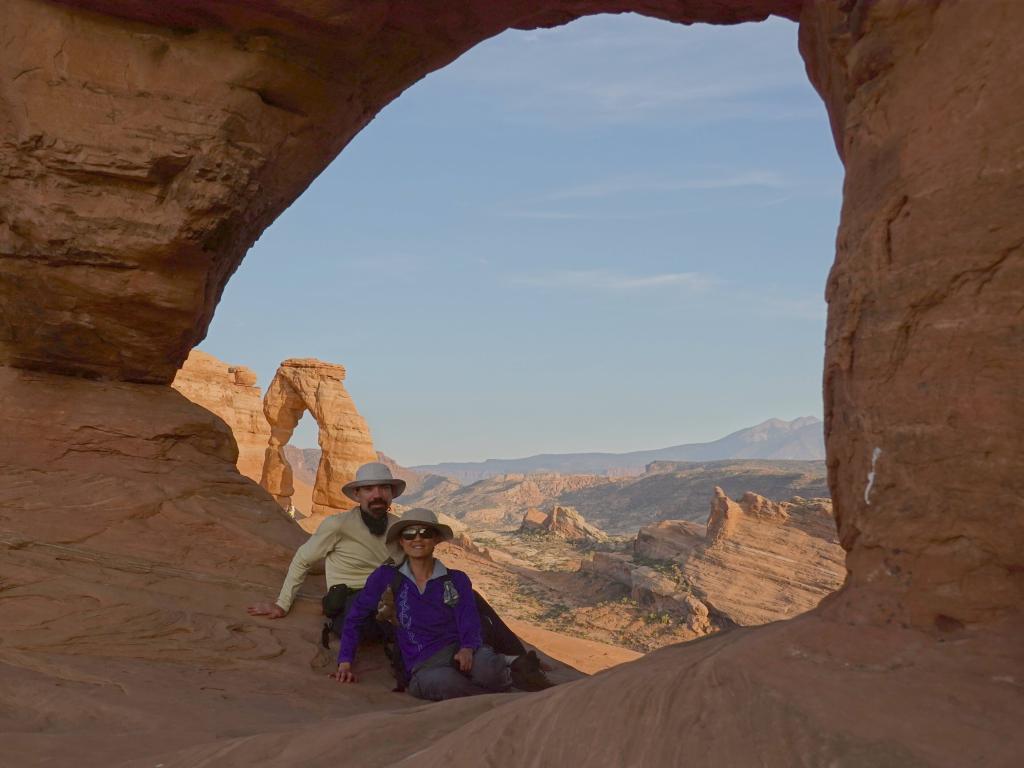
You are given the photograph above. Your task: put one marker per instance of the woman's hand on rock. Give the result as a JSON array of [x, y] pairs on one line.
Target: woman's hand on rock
[[345, 673]]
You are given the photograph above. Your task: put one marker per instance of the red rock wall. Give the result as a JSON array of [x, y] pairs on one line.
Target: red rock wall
[[924, 364], [229, 391]]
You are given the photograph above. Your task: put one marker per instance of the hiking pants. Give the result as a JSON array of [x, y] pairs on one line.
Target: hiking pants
[[372, 631], [437, 679], [495, 631]]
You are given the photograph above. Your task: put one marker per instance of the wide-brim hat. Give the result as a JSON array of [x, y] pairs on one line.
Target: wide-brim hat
[[374, 473], [418, 516]]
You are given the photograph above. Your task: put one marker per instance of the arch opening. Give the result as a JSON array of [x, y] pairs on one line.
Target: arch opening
[[452, 371]]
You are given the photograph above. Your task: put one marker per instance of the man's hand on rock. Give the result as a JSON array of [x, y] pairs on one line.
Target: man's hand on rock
[[270, 610], [464, 658], [345, 673]]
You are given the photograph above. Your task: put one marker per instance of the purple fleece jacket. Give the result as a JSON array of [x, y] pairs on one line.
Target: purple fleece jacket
[[425, 623]]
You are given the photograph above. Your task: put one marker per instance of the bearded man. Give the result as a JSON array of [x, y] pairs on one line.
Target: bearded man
[[350, 543]]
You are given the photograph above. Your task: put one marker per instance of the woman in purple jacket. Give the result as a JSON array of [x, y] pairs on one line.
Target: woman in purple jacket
[[438, 627]]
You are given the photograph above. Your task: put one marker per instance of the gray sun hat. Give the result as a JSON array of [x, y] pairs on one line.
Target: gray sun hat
[[418, 516], [373, 473]]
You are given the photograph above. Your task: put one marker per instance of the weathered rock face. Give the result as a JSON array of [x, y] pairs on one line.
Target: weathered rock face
[[756, 561], [144, 146], [304, 384], [230, 392], [570, 525], [759, 561], [924, 364], [564, 522], [131, 470]]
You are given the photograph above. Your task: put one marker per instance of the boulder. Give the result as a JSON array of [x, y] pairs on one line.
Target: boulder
[[533, 521], [563, 522], [567, 523]]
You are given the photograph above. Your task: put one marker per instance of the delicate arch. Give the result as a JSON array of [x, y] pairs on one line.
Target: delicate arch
[[305, 384]]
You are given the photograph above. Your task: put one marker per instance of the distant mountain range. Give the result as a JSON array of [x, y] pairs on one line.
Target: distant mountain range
[[774, 439]]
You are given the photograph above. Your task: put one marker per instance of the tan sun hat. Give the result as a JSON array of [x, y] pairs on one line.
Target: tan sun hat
[[374, 473], [418, 516]]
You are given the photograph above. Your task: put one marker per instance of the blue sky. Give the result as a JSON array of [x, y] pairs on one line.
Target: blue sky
[[613, 235]]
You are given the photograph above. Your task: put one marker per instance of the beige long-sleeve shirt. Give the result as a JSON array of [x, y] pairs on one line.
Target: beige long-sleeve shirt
[[349, 550]]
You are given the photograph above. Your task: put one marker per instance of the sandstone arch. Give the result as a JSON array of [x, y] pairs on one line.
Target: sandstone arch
[[305, 384], [145, 146]]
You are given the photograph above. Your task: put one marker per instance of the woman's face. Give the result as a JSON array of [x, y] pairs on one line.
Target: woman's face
[[426, 538]]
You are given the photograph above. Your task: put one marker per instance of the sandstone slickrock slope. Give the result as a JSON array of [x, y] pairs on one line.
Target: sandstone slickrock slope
[[301, 385], [230, 392], [128, 542], [143, 148]]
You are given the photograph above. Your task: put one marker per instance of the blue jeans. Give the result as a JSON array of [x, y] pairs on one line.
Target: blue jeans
[[438, 679]]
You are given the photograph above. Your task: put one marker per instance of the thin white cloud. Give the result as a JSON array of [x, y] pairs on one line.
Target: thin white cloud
[[608, 280], [631, 69], [548, 215], [610, 187]]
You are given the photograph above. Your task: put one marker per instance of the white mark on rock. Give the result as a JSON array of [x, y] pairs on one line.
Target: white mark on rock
[[871, 476]]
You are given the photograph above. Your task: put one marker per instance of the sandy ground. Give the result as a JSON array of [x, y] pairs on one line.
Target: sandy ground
[[585, 655]]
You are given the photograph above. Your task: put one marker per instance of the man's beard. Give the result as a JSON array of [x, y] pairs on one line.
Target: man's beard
[[377, 525]]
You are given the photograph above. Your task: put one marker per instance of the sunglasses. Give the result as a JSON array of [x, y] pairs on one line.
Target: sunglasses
[[409, 534]]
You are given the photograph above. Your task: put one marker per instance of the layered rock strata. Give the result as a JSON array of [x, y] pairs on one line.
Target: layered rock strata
[[756, 561], [229, 391], [306, 384]]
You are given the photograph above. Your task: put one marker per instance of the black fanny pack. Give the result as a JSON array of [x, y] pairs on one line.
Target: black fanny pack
[[334, 601]]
